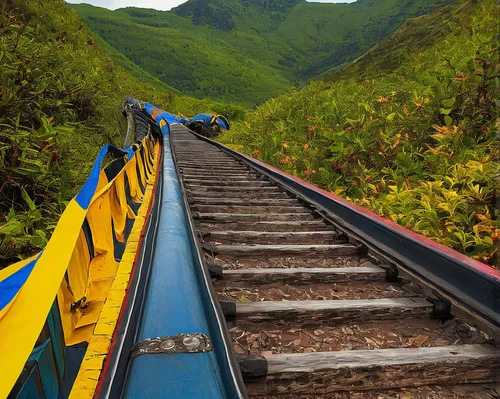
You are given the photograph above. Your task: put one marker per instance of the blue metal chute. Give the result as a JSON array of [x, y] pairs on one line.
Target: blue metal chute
[[211, 119], [223, 122], [173, 306], [174, 303]]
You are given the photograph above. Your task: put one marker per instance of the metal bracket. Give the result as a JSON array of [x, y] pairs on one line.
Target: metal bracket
[[180, 343], [252, 366], [392, 273], [362, 248], [441, 309], [317, 214], [215, 270], [229, 310], [80, 304], [340, 237]]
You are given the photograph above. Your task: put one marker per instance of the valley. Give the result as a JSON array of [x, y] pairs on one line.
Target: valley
[[246, 52]]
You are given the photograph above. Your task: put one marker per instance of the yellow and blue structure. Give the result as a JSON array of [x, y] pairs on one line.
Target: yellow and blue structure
[[64, 311], [70, 280]]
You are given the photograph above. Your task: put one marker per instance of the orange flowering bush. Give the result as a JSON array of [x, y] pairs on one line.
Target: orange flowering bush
[[416, 142]]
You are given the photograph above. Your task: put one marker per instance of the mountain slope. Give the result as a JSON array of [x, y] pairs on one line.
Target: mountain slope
[[194, 60], [257, 15], [332, 34], [245, 51], [407, 131], [60, 98]]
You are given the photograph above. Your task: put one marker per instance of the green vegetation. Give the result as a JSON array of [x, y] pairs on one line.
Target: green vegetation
[[246, 51], [60, 97], [192, 62], [407, 131]]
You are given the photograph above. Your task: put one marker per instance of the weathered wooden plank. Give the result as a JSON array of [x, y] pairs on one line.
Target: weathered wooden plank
[[240, 189], [225, 176], [246, 201], [206, 165], [247, 183], [311, 306], [283, 250], [207, 160], [328, 312], [213, 169], [188, 165], [328, 372], [263, 237], [201, 153], [196, 159], [304, 276], [311, 362], [219, 168], [291, 225], [202, 150], [197, 146], [249, 208], [195, 193], [243, 217], [198, 171], [208, 172]]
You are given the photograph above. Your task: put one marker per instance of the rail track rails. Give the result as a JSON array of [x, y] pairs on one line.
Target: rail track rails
[[312, 311]]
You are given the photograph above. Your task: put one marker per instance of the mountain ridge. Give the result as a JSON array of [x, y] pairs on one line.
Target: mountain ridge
[[203, 12], [246, 51]]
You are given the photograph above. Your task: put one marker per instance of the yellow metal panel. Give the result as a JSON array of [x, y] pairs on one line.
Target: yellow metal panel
[[99, 218], [19, 329], [99, 343], [87, 316], [90, 288], [103, 181], [130, 170], [119, 208]]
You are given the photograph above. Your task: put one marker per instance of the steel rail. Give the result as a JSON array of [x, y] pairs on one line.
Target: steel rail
[[470, 285]]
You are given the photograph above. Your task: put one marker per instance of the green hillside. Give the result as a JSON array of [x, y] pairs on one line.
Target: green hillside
[[407, 131], [246, 51], [194, 60], [60, 97]]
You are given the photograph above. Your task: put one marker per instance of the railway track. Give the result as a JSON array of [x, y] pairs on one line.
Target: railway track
[[319, 314]]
